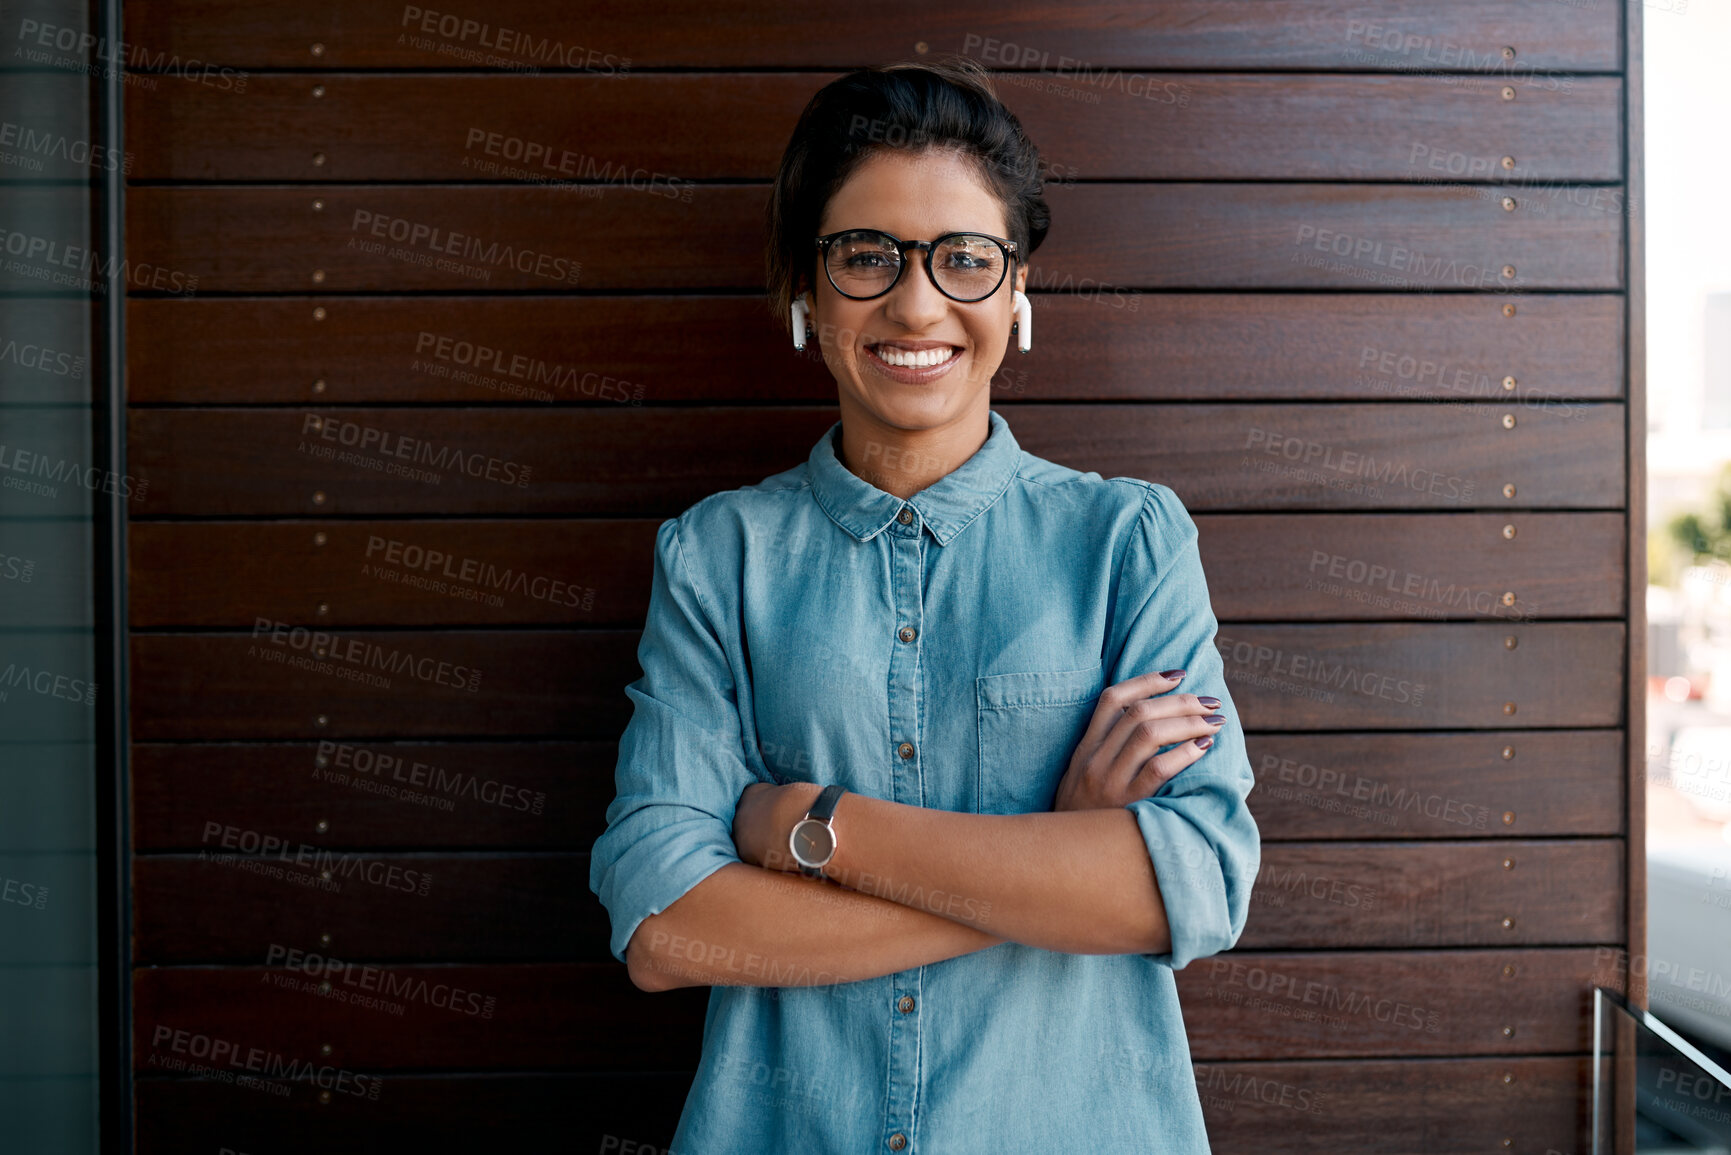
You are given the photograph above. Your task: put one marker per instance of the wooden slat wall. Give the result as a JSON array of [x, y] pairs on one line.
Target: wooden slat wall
[[1283, 279]]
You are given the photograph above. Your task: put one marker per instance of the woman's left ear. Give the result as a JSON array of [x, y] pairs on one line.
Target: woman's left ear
[[1023, 326]]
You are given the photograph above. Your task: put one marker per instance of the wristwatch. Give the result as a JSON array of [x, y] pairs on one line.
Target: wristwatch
[[813, 839]]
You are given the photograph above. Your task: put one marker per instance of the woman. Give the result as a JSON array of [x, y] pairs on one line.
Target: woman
[[932, 773]]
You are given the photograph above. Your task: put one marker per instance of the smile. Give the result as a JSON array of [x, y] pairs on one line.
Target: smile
[[913, 358]]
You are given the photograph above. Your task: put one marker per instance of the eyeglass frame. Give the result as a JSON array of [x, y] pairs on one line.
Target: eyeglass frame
[[1011, 252]]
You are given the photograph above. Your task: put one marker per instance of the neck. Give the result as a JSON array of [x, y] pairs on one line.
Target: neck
[[905, 461]]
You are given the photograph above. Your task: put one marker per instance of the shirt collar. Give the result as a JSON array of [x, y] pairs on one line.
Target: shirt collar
[[946, 506]]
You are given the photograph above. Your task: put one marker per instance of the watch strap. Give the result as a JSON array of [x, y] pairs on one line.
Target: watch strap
[[824, 808]]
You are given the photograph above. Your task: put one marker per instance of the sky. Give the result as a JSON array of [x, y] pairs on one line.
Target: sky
[[1688, 202]]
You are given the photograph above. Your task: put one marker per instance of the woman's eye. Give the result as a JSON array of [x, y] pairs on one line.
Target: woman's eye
[[867, 261]]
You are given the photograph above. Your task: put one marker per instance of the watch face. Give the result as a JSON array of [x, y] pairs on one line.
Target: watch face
[[813, 842]]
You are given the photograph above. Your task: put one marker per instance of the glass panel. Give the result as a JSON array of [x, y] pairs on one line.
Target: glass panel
[[52, 493], [1681, 1096]]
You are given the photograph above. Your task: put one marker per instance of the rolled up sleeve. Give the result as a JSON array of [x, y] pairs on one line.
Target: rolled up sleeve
[[1201, 839], [682, 763]]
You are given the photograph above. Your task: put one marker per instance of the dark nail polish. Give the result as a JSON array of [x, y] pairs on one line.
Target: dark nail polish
[[1204, 743], [1173, 674], [1215, 719], [1210, 703]]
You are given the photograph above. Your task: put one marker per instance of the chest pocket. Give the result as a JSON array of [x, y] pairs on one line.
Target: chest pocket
[[1029, 724]]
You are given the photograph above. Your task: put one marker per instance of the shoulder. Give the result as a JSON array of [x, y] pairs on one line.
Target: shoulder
[[1130, 504], [711, 532]]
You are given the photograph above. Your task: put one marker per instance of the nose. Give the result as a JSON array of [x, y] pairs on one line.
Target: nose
[[915, 303]]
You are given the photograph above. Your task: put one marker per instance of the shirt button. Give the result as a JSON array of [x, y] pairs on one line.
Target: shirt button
[[906, 516], [906, 750], [905, 1004], [898, 1141], [907, 633]]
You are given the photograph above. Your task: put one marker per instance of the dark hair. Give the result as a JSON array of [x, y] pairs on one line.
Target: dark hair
[[914, 105]]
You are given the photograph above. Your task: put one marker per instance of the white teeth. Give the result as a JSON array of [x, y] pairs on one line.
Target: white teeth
[[907, 359]]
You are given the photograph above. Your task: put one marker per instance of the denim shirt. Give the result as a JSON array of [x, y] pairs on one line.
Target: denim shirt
[[945, 651]]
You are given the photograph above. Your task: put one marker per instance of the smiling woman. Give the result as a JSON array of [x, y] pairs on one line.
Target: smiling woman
[[908, 780]]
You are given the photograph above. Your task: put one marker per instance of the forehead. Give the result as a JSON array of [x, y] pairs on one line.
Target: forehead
[[915, 195]]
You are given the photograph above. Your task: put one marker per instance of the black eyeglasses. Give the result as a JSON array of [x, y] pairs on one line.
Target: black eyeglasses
[[867, 263]]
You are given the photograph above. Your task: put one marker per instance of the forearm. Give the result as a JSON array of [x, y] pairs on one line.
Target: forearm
[[1077, 881], [746, 926]]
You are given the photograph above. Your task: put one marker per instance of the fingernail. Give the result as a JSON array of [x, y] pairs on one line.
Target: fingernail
[[1173, 674], [1215, 719], [1204, 743], [1210, 703]]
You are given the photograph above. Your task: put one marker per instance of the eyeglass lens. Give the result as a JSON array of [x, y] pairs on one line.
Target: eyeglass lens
[[968, 267]]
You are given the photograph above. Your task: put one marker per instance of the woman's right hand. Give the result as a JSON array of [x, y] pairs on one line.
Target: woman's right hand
[[1117, 760]]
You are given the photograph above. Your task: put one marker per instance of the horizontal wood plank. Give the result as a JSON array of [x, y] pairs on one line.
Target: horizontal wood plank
[[656, 133], [1432, 566], [465, 572], [1309, 786], [1237, 1007], [393, 684], [569, 684], [353, 462], [382, 795], [456, 1114], [1107, 238], [221, 905], [1344, 894], [1413, 35], [1409, 676], [1378, 1107], [1440, 785], [614, 351], [398, 573], [213, 907]]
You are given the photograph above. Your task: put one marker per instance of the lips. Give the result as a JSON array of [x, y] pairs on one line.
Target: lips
[[911, 362]]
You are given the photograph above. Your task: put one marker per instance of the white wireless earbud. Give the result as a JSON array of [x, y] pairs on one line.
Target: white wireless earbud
[[1024, 322], [801, 311]]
